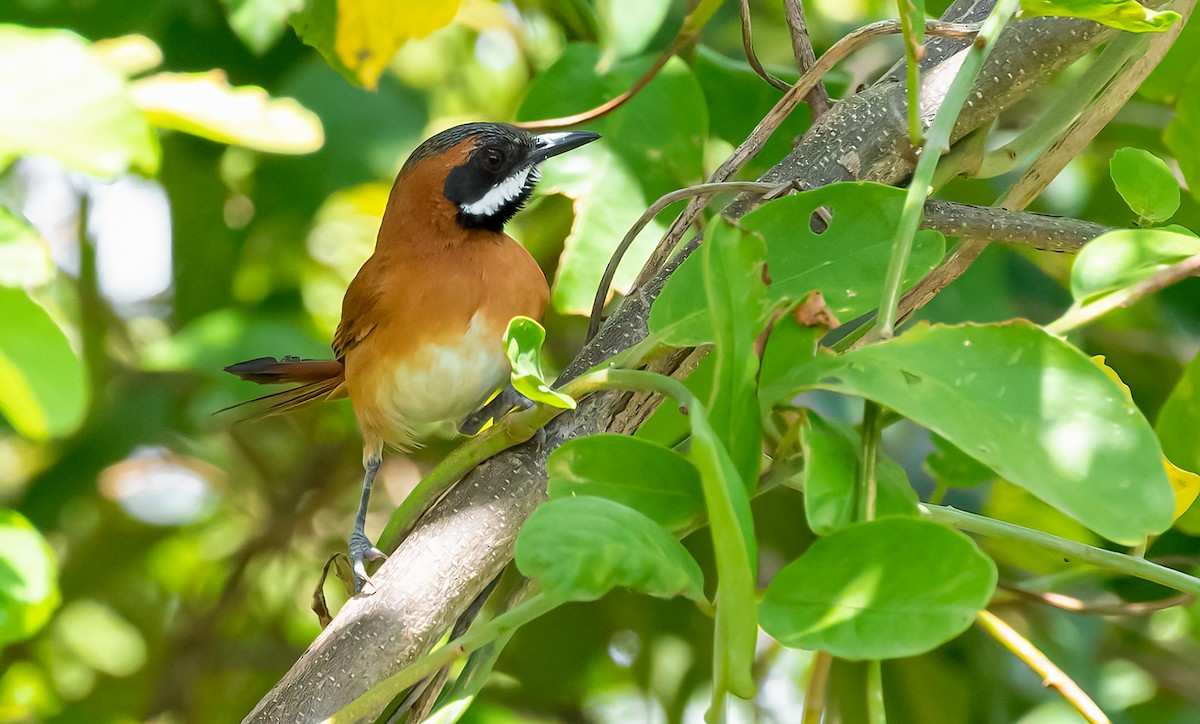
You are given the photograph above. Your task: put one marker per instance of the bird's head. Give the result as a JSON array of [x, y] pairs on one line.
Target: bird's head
[[486, 171]]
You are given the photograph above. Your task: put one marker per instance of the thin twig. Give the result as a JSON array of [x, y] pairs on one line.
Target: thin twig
[[1078, 605], [1068, 549], [1077, 316], [802, 47], [782, 109], [1052, 676], [748, 46], [688, 32], [703, 191], [1046, 168]]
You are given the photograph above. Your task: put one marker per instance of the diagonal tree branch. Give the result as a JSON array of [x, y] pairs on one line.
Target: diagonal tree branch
[[464, 541]]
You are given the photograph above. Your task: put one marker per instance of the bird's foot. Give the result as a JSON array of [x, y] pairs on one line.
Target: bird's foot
[[508, 400], [361, 551]]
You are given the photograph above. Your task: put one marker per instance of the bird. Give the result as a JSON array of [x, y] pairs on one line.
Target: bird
[[420, 342]]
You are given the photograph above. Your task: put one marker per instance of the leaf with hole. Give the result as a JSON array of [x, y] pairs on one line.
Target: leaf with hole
[[653, 480], [1119, 259], [1026, 404], [580, 548], [879, 590], [523, 344], [847, 261]]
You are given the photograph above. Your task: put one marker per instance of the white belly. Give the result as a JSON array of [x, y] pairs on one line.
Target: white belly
[[433, 392]]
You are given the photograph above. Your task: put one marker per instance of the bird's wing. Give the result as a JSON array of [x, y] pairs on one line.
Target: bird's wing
[[359, 314]]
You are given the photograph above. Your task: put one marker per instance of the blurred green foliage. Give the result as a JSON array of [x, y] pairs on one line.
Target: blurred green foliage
[[157, 562]]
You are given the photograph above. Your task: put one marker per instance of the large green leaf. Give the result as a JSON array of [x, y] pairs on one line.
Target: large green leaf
[[1178, 424], [24, 256], [523, 343], [28, 579], [1183, 130], [61, 101], [847, 261], [657, 482], [206, 105], [736, 554], [651, 145], [1127, 15], [1121, 258], [579, 549], [884, 589], [1024, 403], [737, 300], [1146, 183], [831, 460], [43, 390]]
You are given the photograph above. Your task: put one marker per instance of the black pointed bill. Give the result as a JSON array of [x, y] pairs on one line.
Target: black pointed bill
[[552, 144]]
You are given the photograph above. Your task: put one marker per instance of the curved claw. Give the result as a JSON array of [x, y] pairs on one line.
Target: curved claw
[[361, 551]]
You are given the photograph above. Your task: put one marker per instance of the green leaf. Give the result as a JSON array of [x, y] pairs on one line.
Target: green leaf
[[28, 579], [1183, 130], [1127, 15], [98, 636], [668, 425], [953, 468], [63, 102], [523, 343], [24, 256], [206, 105], [43, 390], [653, 480], [736, 554], [737, 300], [260, 23], [723, 78], [1026, 404], [1178, 424], [848, 261], [651, 145], [1146, 183], [879, 590], [579, 549], [790, 345], [630, 25], [831, 459], [1122, 258]]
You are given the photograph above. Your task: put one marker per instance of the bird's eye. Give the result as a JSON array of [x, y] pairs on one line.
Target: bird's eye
[[493, 159]]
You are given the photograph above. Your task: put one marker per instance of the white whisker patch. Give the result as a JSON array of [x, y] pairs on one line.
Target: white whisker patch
[[500, 194]]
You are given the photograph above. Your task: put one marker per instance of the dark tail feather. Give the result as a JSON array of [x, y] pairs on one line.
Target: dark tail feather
[[320, 380]]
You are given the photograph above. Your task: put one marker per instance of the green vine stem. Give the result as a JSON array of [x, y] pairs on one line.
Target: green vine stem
[[937, 142], [1079, 315], [913, 50], [1068, 549]]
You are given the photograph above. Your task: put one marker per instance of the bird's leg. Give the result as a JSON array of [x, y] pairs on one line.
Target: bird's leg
[[500, 405], [361, 549]]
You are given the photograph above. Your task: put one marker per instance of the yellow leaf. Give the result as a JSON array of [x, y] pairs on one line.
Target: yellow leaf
[[1185, 484], [370, 31]]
